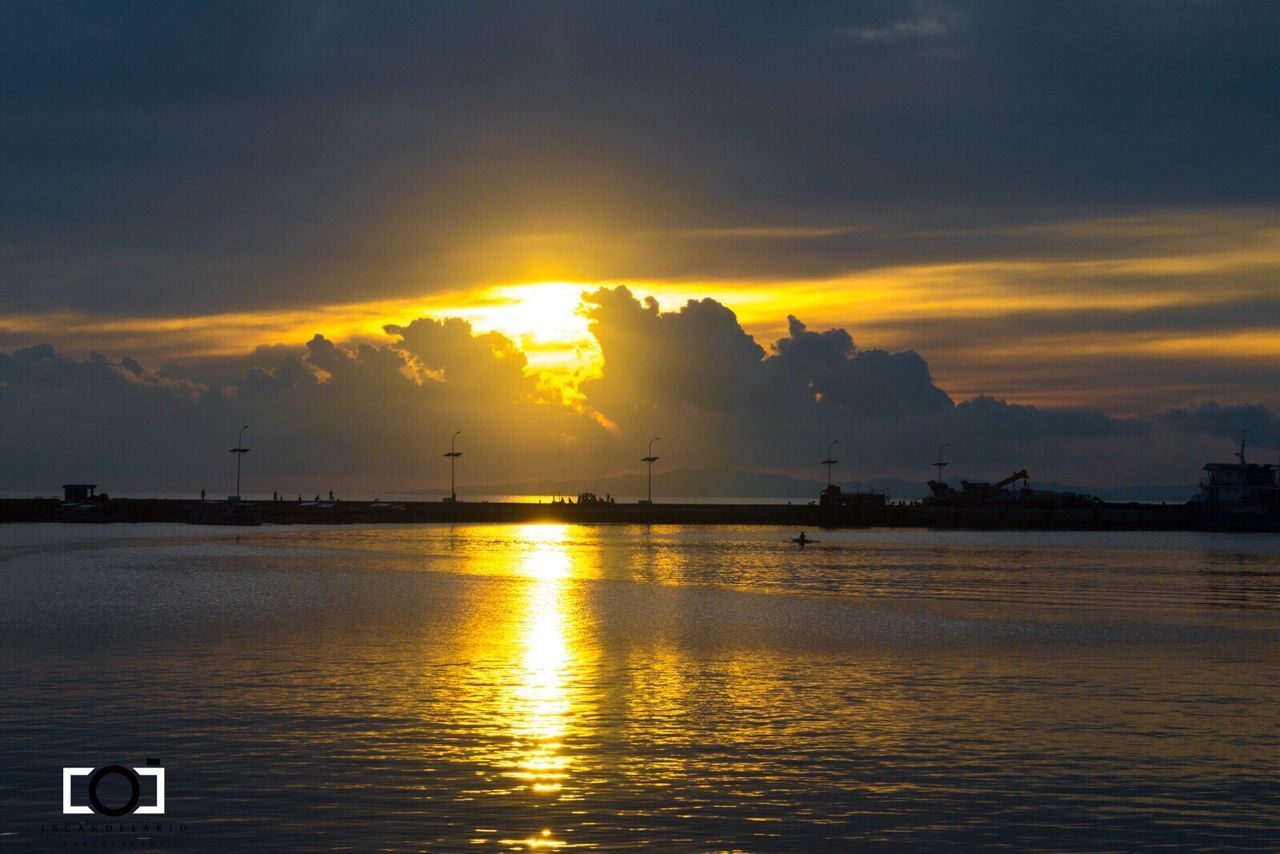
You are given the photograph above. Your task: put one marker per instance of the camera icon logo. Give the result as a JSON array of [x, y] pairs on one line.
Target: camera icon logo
[[132, 776]]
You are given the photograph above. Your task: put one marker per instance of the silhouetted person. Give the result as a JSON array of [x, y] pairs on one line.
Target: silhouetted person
[[331, 495], [202, 495], [299, 497], [802, 539], [275, 496]]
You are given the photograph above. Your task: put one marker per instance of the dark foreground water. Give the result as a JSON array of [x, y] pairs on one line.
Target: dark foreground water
[[681, 688]]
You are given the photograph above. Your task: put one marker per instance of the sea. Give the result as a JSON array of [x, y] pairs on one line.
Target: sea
[[544, 687]]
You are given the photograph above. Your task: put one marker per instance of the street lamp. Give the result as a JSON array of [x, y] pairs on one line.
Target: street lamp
[[830, 460], [940, 463], [651, 459], [239, 450], [453, 459]]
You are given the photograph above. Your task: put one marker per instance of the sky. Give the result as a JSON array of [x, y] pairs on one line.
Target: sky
[[1047, 233]]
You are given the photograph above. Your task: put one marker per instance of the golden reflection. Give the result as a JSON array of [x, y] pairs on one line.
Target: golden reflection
[[539, 707], [541, 701]]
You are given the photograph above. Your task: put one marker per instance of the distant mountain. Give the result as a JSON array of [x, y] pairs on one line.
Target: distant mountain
[[680, 483], [1170, 494], [738, 483], [912, 491]]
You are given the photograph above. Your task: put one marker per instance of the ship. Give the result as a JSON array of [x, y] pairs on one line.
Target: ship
[[1240, 495], [1004, 493]]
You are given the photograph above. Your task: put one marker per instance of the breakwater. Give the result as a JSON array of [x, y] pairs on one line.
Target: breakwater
[[1101, 516]]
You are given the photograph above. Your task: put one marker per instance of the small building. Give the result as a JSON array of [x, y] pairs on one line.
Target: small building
[[832, 496], [79, 492]]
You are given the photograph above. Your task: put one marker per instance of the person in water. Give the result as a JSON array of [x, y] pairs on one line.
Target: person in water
[[802, 539]]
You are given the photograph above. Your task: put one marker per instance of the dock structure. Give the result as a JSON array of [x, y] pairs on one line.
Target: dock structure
[[857, 514], [79, 493], [1233, 497]]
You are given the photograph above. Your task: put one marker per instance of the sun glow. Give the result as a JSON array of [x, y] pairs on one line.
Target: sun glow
[[543, 318], [546, 321], [528, 686], [542, 698], [1015, 324]]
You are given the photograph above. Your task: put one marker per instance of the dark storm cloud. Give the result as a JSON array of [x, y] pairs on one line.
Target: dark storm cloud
[[186, 157]]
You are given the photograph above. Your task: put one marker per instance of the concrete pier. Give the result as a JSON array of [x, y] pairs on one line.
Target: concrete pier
[[1100, 516]]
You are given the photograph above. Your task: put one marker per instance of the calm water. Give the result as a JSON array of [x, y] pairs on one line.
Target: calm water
[[517, 688]]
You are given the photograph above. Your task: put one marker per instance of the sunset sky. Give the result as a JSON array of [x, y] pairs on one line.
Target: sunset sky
[[1048, 233]]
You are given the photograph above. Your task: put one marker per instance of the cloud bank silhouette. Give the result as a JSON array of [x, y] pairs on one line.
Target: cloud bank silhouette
[[376, 417]]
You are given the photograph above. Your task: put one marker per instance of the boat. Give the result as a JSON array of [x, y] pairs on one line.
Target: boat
[[1240, 495], [1005, 494]]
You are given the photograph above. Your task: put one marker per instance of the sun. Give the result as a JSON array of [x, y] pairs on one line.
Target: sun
[[546, 321], [544, 318]]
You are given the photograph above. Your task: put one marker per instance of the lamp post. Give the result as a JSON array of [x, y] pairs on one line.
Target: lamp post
[[239, 450], [651, 459], [830, 460], [453, 459], [940, 463]]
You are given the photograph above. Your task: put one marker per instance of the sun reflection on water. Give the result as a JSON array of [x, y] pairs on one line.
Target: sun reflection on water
[[550, 687], [540, 704]]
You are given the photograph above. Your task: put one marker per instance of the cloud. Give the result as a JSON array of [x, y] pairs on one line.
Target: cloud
[[175, 161], [375, 417], [1001, 420], [325, 413], [928, 21], [1228, 421], [448, 351], [180, 178], [695, 372], [868, 384], [694, 376]]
